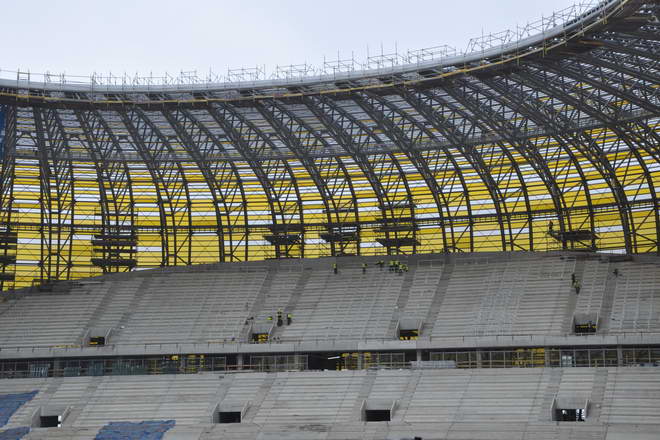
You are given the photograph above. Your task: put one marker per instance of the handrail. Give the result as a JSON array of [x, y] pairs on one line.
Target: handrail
[[179, 346]]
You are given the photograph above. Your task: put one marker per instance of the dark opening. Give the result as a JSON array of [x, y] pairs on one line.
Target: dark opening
[[377, 415], [50, 422], [325, 361], [408, 335], [569, 415], [97, 340], [588, 327], [229, 417], [259, 338]]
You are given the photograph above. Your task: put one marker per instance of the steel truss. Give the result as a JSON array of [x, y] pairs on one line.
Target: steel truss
[[511, 153]]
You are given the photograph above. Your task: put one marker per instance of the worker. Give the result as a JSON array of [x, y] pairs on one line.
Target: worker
[[616, 272], [289, 318], [577, 287], [334, 268], [573, 279], [270, 319], [279, 318], [364, 267], [380, 264], [392, 265]]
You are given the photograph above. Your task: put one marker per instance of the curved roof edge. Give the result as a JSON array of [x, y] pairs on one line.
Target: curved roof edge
[[556, 35]]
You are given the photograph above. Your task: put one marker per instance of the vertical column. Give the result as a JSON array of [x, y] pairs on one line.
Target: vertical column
[[8, 238]]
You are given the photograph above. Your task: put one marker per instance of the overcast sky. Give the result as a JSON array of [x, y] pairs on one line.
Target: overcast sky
[[83, 36]]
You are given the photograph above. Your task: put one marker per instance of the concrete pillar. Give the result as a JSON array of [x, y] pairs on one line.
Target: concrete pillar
[[239, 361], [419, 355]]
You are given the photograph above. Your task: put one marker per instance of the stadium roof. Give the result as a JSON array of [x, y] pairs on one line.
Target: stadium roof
[[528, 142]]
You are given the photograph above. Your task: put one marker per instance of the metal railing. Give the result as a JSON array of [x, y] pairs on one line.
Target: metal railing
[[552, 357], [230, 344], [538, 357], [559, 21]]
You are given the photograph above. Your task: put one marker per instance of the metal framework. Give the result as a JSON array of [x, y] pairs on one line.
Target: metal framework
[[548, 143]]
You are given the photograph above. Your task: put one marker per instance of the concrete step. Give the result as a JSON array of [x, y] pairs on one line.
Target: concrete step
[[441, 290], [401, 302]]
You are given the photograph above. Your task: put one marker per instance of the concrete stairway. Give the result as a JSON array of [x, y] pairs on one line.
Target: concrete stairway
[[605, 314], [401, 302], [75, 392], [363, 394], [134, 301], [116, 302], [440, 291], [258, 303], [260, 397], [572, 298], [598, 395], [293, 299], [407, 395], [551, 391]]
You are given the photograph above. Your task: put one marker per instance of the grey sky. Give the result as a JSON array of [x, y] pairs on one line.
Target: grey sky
[[82, 36]]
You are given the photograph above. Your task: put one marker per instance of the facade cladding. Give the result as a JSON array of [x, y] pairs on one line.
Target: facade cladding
[[549, 143]]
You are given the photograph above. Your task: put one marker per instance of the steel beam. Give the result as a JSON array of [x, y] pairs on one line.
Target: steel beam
[[405, 131], [275, 176], [7, 174], [355, 138], [221, 177], [173, 197], [57, 197], [114, 181], [440, 112], [328, 173]]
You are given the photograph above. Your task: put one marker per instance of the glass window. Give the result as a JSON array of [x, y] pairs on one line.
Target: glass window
[[597, 357], [611, 357]]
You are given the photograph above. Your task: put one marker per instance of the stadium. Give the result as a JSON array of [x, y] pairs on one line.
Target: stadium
[[464, 245]]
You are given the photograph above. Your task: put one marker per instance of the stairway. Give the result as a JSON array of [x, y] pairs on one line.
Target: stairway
[[220, 394], [258, 303], [567, 325], [438, 298], [407, 396], [597, 395], [298, 291], [89, 392], [606, 307], [363, 394], [135, 302], [401, 302], [550, 393], [116, 301], [293, 300], [261, 395]]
